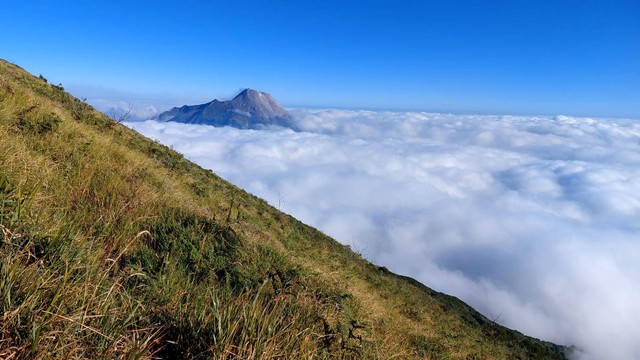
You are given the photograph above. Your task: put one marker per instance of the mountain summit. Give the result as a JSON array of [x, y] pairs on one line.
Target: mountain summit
[[250, 109]]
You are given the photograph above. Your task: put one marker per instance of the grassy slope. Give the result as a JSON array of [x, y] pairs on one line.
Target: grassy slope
[[116, 246]]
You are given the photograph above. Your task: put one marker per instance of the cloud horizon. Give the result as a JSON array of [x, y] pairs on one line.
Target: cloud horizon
[[532, 220]]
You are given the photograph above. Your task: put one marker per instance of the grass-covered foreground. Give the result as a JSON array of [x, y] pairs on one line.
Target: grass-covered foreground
[[114, 246]]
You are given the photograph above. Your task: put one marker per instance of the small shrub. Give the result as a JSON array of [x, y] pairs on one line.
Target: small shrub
[[427, 347], [410, 312], [198, 188], [39, 124]]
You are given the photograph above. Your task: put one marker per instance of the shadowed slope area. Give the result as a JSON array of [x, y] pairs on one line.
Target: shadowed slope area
[[116, 246]]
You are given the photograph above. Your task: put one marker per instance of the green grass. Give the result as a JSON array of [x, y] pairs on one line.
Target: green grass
[[114, 246]]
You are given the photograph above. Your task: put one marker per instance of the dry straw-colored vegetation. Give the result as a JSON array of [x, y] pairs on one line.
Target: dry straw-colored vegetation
[[114, 246]]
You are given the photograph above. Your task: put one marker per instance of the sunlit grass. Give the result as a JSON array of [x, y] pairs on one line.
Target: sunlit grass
[[114, 246]]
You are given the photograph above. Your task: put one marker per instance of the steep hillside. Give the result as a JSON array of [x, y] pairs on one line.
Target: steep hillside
[[114, 246]]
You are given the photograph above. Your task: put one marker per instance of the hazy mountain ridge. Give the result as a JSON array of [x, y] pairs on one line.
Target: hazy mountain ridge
[[250, 109], [113, 245]]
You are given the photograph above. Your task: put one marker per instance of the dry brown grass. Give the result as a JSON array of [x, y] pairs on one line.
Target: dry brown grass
[[114, 246]]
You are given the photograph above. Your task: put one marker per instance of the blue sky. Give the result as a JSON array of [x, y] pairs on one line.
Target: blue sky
[[522, 57]]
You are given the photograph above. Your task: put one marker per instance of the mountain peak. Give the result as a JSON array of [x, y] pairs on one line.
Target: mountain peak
[[250, 109], [248, 92], [253, 95]]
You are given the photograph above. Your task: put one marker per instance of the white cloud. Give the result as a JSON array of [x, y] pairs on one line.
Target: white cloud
[[534, 219]]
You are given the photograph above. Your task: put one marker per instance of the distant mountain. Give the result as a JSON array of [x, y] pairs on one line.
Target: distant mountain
[[250, 109]]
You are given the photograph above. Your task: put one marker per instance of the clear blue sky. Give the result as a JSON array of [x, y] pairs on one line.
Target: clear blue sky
[[505, 56]]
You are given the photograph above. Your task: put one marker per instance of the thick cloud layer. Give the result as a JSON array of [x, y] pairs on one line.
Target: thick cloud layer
[[532, 220]]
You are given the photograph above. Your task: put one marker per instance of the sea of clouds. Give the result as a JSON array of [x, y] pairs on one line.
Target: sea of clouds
[[532, 220]]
